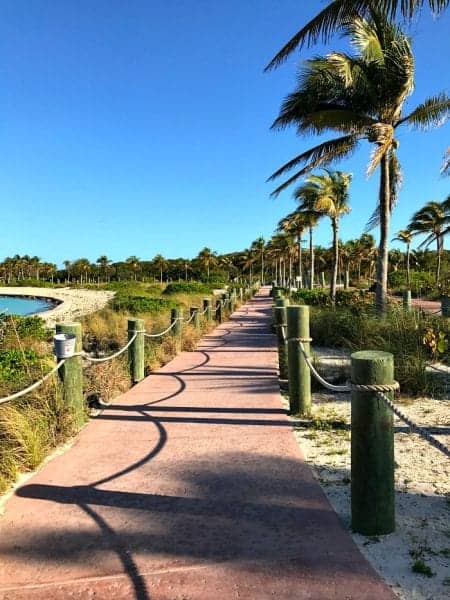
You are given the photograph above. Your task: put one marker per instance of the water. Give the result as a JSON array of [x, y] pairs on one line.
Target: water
[[21, 305]]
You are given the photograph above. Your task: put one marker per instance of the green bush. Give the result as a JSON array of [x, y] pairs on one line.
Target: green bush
[[24, 327], [188, 287], [14, 362], [422, 282], [319, 297], [140, 304]]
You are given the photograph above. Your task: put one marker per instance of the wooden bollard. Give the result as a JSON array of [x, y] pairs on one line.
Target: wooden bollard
[[407, 300], [71, 374], [277, 293], [207, 307], [232, 301], [322, 278], [241, 295], [299, 374], [194, 313], [136, 351], [176, 316], [445, 306], [280, 321], [219, 309], [372, 446]]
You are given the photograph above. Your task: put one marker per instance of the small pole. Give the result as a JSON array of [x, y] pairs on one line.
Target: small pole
[[299, 374], [280, 320], [372, 446], [407, 300], [277, 293], [445, 306], [207, 305], [232, 301], [136, 351], [71, 374], [241, 295], [322, 278], [346, 280], [219, 308], [176, 316], [194, 310]]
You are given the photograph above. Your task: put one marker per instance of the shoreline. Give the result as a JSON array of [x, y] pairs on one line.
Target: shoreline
[[69, 303]]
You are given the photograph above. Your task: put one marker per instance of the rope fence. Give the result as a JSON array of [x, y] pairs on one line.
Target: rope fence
[[379, 389], [128, 346]]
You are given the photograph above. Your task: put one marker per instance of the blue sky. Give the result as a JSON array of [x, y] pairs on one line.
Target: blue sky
[[142, 127]]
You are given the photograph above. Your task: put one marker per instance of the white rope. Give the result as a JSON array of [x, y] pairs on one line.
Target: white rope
[[420, 430], [34, 385], [206, 310], [190, 319], [121, 351], [320, 379], [156, 335]]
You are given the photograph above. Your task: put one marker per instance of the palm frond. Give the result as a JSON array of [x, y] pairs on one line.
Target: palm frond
[[320, 155], [431, 113], [339, 13]]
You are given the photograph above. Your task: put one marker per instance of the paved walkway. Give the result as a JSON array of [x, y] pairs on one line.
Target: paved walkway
[[191, 487]]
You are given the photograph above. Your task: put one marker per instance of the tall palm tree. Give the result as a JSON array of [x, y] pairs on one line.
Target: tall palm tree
[[433, 219], [337, 14], [207, 258], [405, 236], [328, 195], [104, 264], [361, 96], [258, 247], [134, 263], [296, 223], [160, 263]]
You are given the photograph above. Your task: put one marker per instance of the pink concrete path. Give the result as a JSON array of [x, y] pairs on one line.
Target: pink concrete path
[[190, 487]]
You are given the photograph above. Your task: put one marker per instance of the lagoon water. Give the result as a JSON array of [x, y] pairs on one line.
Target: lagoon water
[[20, 305]]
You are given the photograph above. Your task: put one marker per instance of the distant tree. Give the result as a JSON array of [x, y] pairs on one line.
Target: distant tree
[[207, 258], [160, 263], [405, 236]]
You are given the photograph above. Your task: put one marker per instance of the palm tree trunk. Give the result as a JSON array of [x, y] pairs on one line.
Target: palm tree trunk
[[262, 268], [383, 256], [300, 267], [311, 258], [335, 226], [408, 274], [439, 254]]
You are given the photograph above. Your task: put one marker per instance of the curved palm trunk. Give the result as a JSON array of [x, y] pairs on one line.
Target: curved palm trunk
[[311, 258], [300, 266], [335, 225], [383, 257], [262, 268]]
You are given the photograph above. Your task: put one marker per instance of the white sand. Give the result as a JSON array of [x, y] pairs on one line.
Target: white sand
[[422, 481], [74, 302]]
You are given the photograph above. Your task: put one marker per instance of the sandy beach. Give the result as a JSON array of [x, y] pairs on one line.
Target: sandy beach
[[73, 302]]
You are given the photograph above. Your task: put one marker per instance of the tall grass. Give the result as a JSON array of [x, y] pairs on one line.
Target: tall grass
[[402, 333]]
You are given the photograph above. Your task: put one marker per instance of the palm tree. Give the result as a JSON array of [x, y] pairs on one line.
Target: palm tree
[[405, 236], [445, 170], [134, 263], [104, 264], [327, 195], [160, 263], [296, 223], [433, 219], [339, 13], [207, 258], [361, 96], [258, 247]]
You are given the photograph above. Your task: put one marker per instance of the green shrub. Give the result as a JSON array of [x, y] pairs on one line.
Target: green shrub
[[188, 287], [14, 362], [319, 297], [422, 282], [140, 304]]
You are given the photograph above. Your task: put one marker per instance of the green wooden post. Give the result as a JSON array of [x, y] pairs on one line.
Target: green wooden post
[[194, 312], [176, 314], [277, 293], [241, 295], [407, 300], [207, 305], [280, 320], [219, 309], [232, 301], [299, 374], [322, 278], [136, 351], [445, 306], [71, 374], [372, 446]]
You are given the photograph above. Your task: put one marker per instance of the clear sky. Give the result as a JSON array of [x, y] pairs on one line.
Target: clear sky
[[142, 127]]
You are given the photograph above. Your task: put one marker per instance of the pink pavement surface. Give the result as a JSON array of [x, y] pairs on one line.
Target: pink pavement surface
[[190, 487]]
